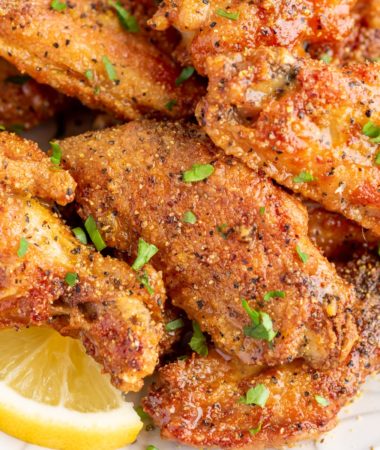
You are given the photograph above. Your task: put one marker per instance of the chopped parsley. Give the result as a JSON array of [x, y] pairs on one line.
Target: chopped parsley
[[175, 325], [94, 234], [22, 248], [57, 153], [326, 58], [372, 131], [57, 5], [127, 20], [222, 230], [151, 447], [71, 278], [198, 172], [185, 74], [257, 395], [144, 280], [377, 159], [303, 256], [261, 327], [262, 210], [110, 69], [228, 15], [189, 217], [253, 431], [89, 74], [322, 401], [18, 79], [198, 341], [141, 413], [170, 104], [145, 252], [274, 294], [303, 177], [80, 235]]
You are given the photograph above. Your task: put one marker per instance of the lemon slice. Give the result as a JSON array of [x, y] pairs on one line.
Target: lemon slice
[[52, 394]]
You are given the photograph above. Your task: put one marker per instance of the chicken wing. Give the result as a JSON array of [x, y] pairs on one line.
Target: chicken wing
[[83, 51], [198, 402], [302, 122], [219, 26], [23, 102], [48, 278], [230, 237]]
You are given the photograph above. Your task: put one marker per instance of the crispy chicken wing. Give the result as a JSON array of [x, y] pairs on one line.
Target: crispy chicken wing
[[83, 51], [301, 121], [102, 303], [197, 402], [221, 26], [247, 238], [23, 102]]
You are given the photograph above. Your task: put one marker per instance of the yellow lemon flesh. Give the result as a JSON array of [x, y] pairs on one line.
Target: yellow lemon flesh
[[52, 394]]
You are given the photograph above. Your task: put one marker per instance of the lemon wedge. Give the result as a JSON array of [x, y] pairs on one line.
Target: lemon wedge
[[52, 394]]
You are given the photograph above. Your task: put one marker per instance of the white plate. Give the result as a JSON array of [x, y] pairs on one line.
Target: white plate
[[359, 425]]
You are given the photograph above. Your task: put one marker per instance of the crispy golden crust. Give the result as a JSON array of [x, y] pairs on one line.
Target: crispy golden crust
[[292, 116], [196, 402], [336, 236], [23, 101], [281, 23], [108, 308], [59, 48], [130, 179], [24, 168]]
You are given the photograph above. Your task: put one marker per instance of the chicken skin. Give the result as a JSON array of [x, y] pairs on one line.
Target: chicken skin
[[245, 240], [219, 26], [198, 402], [85, 52], [48, 278], [23, 102], [303, 122]]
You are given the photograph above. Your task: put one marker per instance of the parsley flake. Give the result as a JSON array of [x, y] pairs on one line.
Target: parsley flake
[[126, 19], [170, 104], [57, 153], [257, 395], [262, 210], [198, 172], [227, 14], [151, 447], [321, 401], [185, 74], [110, 68], [326, 58], [141, 413], [94, 234], [198, 341], [80, 235], [89, 74], [262, 325], [22, 248], [189, 217], [71, 278], [57, 5], [303, 177], [145, 252], [175, 325], [303, 256], [377, 159], [274, 294]]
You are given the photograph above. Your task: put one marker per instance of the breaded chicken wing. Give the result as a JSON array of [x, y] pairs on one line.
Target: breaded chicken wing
[[303, 122], [220, 26], [84, 52], [230, 237], [23, 102], [198, 402], [48, 278]]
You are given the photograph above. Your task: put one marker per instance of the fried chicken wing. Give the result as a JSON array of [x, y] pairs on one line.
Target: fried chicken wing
[[248, 238], [198, 402], [301, 121], [48, 278], [84, 52], [220, 26], [23, 102]]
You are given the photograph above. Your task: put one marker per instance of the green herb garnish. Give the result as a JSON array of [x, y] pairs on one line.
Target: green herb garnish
[[57, 153], [22, 248], [94, 234], [71, 278], [303, 177], [198, 172], [262, 210], [186, 73], [228, 15], [198, 342], [89, 74], [274, 294], [145, 252], [170, 104], [262, 325], [303, 256], [127, 20], [175, 325], [326, 58], [257, 395], [322, 401], [110, 69], [57, 5], [189, 217], [80, 235]]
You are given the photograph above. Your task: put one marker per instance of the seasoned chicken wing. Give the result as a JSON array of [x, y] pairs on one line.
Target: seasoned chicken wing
[[224, 233], [303, 122], [219, 26], [23, 102], [84, 51], [198, 402], [47, 277]]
